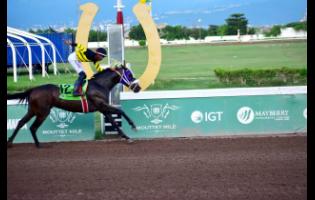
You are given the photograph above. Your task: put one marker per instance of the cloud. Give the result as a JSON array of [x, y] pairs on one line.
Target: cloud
[[202, 11], [180, 12]]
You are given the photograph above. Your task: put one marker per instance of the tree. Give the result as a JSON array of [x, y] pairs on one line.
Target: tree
[[298, 25], [275, 31], [223, 30], [213, 30], [70, 30], [96, 36], [251, 31], [31, 31], [198, 33], [175, 32], [236, 21], [137, 33]]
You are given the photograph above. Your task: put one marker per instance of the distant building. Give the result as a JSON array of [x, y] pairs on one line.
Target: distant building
[[290, 32], [263, 29], [161, 26]]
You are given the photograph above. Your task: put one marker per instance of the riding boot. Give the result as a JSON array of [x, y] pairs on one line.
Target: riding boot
[[78, 85]]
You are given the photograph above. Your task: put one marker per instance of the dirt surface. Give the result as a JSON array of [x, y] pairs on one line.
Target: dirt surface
[[186, 169]]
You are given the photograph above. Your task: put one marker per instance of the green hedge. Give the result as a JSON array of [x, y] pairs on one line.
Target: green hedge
[[263, 77], [142, 43]]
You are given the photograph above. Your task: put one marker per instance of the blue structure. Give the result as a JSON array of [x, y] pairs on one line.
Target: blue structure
[[57, 39]]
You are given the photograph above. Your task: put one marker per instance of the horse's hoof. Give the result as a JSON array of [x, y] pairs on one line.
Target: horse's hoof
[[9, 145]]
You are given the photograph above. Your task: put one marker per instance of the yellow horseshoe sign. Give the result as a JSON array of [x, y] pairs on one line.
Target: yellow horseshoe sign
[[141, 11], [84, 27]]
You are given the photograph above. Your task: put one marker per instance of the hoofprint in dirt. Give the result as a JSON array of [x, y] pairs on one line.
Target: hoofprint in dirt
[[206, 168]]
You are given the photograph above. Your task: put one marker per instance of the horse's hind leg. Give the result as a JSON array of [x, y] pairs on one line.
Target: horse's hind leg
[[37, 123], [21, 123]]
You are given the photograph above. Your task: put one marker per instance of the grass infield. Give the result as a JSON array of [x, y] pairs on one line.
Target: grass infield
[[190, 66]]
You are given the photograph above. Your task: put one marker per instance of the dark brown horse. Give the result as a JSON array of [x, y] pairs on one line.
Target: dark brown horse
[[43, 98]]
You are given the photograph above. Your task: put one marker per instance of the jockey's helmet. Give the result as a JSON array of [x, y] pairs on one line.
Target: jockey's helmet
[[101, 51]]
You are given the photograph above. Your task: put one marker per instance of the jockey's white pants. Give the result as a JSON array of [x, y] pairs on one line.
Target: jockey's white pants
[[75, 63]]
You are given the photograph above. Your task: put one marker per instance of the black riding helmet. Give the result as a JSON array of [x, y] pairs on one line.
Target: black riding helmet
[[101, 51]]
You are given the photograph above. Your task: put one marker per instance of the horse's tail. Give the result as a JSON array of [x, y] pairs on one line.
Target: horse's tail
[[23, 96]]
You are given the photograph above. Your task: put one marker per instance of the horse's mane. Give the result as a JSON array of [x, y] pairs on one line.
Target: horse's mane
[[96, 75]]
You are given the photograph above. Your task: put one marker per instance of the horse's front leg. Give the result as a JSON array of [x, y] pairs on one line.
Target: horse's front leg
[[108, 109], [115, 125], [99, 100], [131, 123]]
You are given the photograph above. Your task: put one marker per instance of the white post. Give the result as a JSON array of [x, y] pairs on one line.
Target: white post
[[53, 49], [30, 65], [115, 53], [13, 60]]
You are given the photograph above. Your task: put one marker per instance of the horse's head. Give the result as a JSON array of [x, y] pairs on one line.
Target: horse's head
[[127, 78]]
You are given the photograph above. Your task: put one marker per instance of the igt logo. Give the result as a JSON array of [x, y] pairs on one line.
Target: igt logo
[[198, 116]]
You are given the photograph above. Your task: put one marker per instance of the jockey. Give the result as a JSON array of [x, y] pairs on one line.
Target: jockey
[[83, 54]]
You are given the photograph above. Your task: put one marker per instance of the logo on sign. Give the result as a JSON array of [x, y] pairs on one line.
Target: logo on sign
[[305, 113], [245, 115], [198, 116], [61, 117], [156, 113], [12, 124]]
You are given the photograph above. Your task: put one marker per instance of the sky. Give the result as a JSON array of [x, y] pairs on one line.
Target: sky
[[25, 14]]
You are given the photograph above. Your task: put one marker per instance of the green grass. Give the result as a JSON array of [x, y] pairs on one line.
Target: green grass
[[182, 66], [192, 66]]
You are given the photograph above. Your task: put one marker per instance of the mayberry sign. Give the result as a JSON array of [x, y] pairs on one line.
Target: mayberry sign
[[215, 112]]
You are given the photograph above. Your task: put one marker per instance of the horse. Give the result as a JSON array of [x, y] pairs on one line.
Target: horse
[[43, 98]]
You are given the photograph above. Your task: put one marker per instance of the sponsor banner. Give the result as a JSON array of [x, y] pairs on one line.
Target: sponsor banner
[[60, 125], [215, 116]]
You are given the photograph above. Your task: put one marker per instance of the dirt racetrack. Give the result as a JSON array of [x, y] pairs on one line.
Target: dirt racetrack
[[184, 169]]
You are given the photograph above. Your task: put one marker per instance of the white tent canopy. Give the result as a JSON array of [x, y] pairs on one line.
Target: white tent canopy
[[20, 35]]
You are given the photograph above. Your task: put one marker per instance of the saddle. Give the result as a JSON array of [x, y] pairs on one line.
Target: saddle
[[66, 90]]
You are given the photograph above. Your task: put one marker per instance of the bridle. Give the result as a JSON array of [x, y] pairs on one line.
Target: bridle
[[123, 77]]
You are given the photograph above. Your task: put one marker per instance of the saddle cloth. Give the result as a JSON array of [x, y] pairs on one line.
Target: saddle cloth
[[66, 93]]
